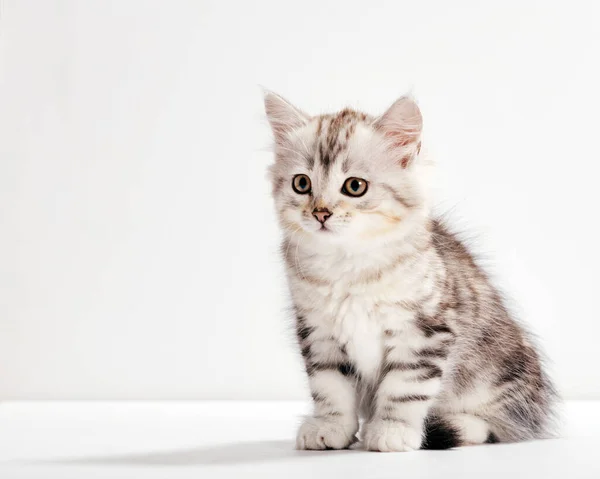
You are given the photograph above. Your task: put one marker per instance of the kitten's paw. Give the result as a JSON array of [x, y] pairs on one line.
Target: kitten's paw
[[388, 436], [326, 433]]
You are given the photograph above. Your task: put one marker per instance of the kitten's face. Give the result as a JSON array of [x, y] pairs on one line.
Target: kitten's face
[[346, 177]]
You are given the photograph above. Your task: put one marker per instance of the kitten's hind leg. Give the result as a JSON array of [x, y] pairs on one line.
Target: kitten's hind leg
[[454, 430]]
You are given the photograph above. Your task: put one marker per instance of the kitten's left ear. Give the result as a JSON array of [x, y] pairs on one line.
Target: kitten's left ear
[[402, 124], [283, 116]]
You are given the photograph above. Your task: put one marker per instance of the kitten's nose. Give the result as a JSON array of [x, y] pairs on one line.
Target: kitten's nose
[[321, 214]]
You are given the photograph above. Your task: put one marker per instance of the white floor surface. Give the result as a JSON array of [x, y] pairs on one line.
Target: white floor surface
[[173, 440]]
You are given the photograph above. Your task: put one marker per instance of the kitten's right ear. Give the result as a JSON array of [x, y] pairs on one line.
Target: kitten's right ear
[[402, 124], [283, 116]]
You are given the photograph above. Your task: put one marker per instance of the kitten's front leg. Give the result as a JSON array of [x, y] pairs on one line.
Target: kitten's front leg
[[409, 382], [332, 379]]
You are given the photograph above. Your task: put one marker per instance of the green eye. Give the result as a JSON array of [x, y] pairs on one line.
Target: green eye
[[355, 187], [301, 184]]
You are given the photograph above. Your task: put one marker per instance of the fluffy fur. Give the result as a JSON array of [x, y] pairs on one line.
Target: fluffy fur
[[396, 322]]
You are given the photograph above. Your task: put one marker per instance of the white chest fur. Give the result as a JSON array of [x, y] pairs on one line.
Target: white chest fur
[[343, 299], [355, 317], [360, 329]]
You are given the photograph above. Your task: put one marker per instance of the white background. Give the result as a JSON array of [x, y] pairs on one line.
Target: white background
[[138, 248]]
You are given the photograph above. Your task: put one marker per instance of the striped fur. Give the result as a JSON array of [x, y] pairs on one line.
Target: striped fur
[[395, 320]]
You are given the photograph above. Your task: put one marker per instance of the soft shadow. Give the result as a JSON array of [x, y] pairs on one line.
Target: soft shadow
[[236, 453]]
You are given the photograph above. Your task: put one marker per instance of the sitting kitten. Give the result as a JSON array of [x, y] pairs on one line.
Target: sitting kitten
[[396, 322]]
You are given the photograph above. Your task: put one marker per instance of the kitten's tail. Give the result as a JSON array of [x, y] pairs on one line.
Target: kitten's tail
[[456, 430], [516, 420]]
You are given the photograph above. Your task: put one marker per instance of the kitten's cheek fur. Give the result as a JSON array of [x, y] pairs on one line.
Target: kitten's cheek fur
[[318, 433], [391, 436], [291, 220]]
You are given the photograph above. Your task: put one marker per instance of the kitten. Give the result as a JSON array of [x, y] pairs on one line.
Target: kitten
[[396, 322]]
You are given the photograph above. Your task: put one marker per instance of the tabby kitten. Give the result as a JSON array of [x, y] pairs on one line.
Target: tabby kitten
[[396, 322]]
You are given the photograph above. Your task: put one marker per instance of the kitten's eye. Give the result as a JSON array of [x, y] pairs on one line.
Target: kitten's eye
[[355, 187], [301, 184]]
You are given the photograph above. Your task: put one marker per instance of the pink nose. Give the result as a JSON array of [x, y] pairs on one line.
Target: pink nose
[[321, 214]]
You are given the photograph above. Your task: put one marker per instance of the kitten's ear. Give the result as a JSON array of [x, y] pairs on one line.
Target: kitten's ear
[[402, 123], [283, 116]]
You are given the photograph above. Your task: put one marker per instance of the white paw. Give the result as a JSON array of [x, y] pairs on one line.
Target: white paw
[[326, 433], [388, 436]]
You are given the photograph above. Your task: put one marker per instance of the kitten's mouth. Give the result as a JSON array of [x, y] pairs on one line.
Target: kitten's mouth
[[324, 228]]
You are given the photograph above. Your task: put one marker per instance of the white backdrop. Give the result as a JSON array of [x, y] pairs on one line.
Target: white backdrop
[[138, 248]]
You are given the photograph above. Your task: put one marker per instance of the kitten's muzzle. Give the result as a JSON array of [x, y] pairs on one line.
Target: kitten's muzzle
[[321, 214]]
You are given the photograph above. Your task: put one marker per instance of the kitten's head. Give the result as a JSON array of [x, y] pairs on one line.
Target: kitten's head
[[347, 177]]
